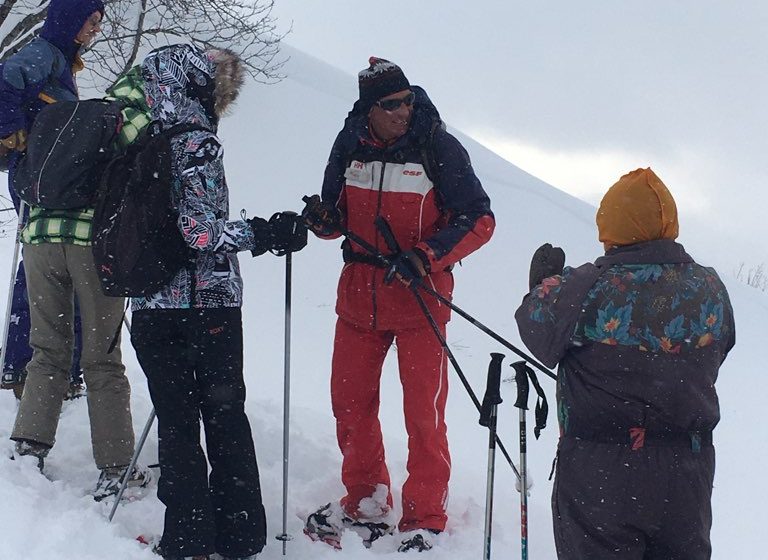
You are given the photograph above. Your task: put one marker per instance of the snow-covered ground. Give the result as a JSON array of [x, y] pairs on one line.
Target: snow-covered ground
[[277, 141]]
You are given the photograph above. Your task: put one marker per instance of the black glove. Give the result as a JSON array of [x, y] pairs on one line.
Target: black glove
[[262, 234], [288, 233], [408, 266], [323, 218], [547, 261]]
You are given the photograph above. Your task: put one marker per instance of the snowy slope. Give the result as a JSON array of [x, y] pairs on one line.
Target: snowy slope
[[277, 141]]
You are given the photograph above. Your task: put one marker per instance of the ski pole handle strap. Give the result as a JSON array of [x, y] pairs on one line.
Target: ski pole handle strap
[[522, 372], [492, 390], [542, 407]]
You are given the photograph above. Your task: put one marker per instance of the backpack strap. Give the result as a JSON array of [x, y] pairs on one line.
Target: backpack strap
[[156, 127], [427, 151]]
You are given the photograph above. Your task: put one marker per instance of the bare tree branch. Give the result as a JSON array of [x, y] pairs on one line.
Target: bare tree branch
[[5, 9], [20, 34], [132, 27]]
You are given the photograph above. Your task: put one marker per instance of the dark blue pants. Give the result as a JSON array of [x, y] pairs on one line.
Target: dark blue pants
[[613, 503], [193, 360]]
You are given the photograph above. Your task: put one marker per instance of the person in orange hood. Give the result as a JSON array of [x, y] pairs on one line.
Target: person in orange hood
[[638, 337]]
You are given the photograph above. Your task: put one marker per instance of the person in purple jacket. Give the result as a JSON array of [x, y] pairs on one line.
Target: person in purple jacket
[[42, 72], [638, 337]]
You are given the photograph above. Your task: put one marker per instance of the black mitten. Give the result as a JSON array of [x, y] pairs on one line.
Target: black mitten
[[547, 261], [289, 234]]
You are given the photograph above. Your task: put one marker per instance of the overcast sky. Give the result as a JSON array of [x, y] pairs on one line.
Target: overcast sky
[[578, 93]]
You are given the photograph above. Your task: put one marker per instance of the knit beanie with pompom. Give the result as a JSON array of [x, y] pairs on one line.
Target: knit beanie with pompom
[[380, 79]]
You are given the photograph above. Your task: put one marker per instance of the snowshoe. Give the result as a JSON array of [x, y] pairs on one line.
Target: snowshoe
[[148, 540], [111, 477], [418, 540], [329, 522], [75, 390], [326, 525], [28, 447], [369, 531]]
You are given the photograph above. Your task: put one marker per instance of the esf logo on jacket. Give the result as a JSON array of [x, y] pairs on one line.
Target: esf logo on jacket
[[400, 178]]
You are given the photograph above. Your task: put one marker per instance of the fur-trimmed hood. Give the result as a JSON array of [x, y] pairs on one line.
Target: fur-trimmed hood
[[230, 77], [186, 84]]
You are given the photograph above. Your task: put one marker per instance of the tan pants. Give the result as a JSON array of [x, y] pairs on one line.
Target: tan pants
[[55, 273]]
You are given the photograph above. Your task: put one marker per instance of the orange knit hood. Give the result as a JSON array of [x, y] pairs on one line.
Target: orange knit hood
[[638, 208]]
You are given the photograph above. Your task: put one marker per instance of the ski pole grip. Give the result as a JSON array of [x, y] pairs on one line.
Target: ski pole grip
[[385, 230], [521, 380], [492, 390]]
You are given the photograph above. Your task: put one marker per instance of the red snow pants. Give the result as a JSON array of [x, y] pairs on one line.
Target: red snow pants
[[358, 357]]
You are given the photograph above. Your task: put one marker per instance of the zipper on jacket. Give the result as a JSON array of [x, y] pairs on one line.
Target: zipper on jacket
[[191, 269], [376, 238], [50, 153]]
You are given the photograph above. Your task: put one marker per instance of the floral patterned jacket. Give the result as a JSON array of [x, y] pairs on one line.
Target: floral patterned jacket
[[639, 337]]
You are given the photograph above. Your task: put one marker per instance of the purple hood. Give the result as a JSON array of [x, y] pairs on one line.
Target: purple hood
[[64, 21]]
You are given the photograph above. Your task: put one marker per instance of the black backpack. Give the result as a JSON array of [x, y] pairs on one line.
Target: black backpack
[[137, 245], [68, 146]]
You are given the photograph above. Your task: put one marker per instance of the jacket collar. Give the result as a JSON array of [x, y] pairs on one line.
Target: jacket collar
[[661, 251]]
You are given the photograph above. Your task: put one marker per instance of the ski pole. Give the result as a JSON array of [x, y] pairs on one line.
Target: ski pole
[[9, 302], [389, 238], [134, 459], [461, 375], [488, 415], [136, 452], [521, 379], [284, 536], [374, 252]]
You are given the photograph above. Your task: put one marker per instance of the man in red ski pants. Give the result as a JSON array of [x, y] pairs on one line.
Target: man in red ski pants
[[394, 162]]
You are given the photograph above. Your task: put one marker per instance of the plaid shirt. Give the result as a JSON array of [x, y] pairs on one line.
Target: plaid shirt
[[58, 226], [74, 226], [130, 90]]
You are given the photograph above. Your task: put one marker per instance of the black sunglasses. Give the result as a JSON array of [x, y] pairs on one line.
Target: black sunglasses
[[392, 104]]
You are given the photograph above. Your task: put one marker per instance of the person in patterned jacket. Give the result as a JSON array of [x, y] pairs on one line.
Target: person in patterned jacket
[[639, 337], [188, 336], [394, 160]]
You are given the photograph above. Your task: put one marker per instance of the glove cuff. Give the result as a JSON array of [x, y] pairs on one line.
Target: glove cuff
[[262, 236]]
